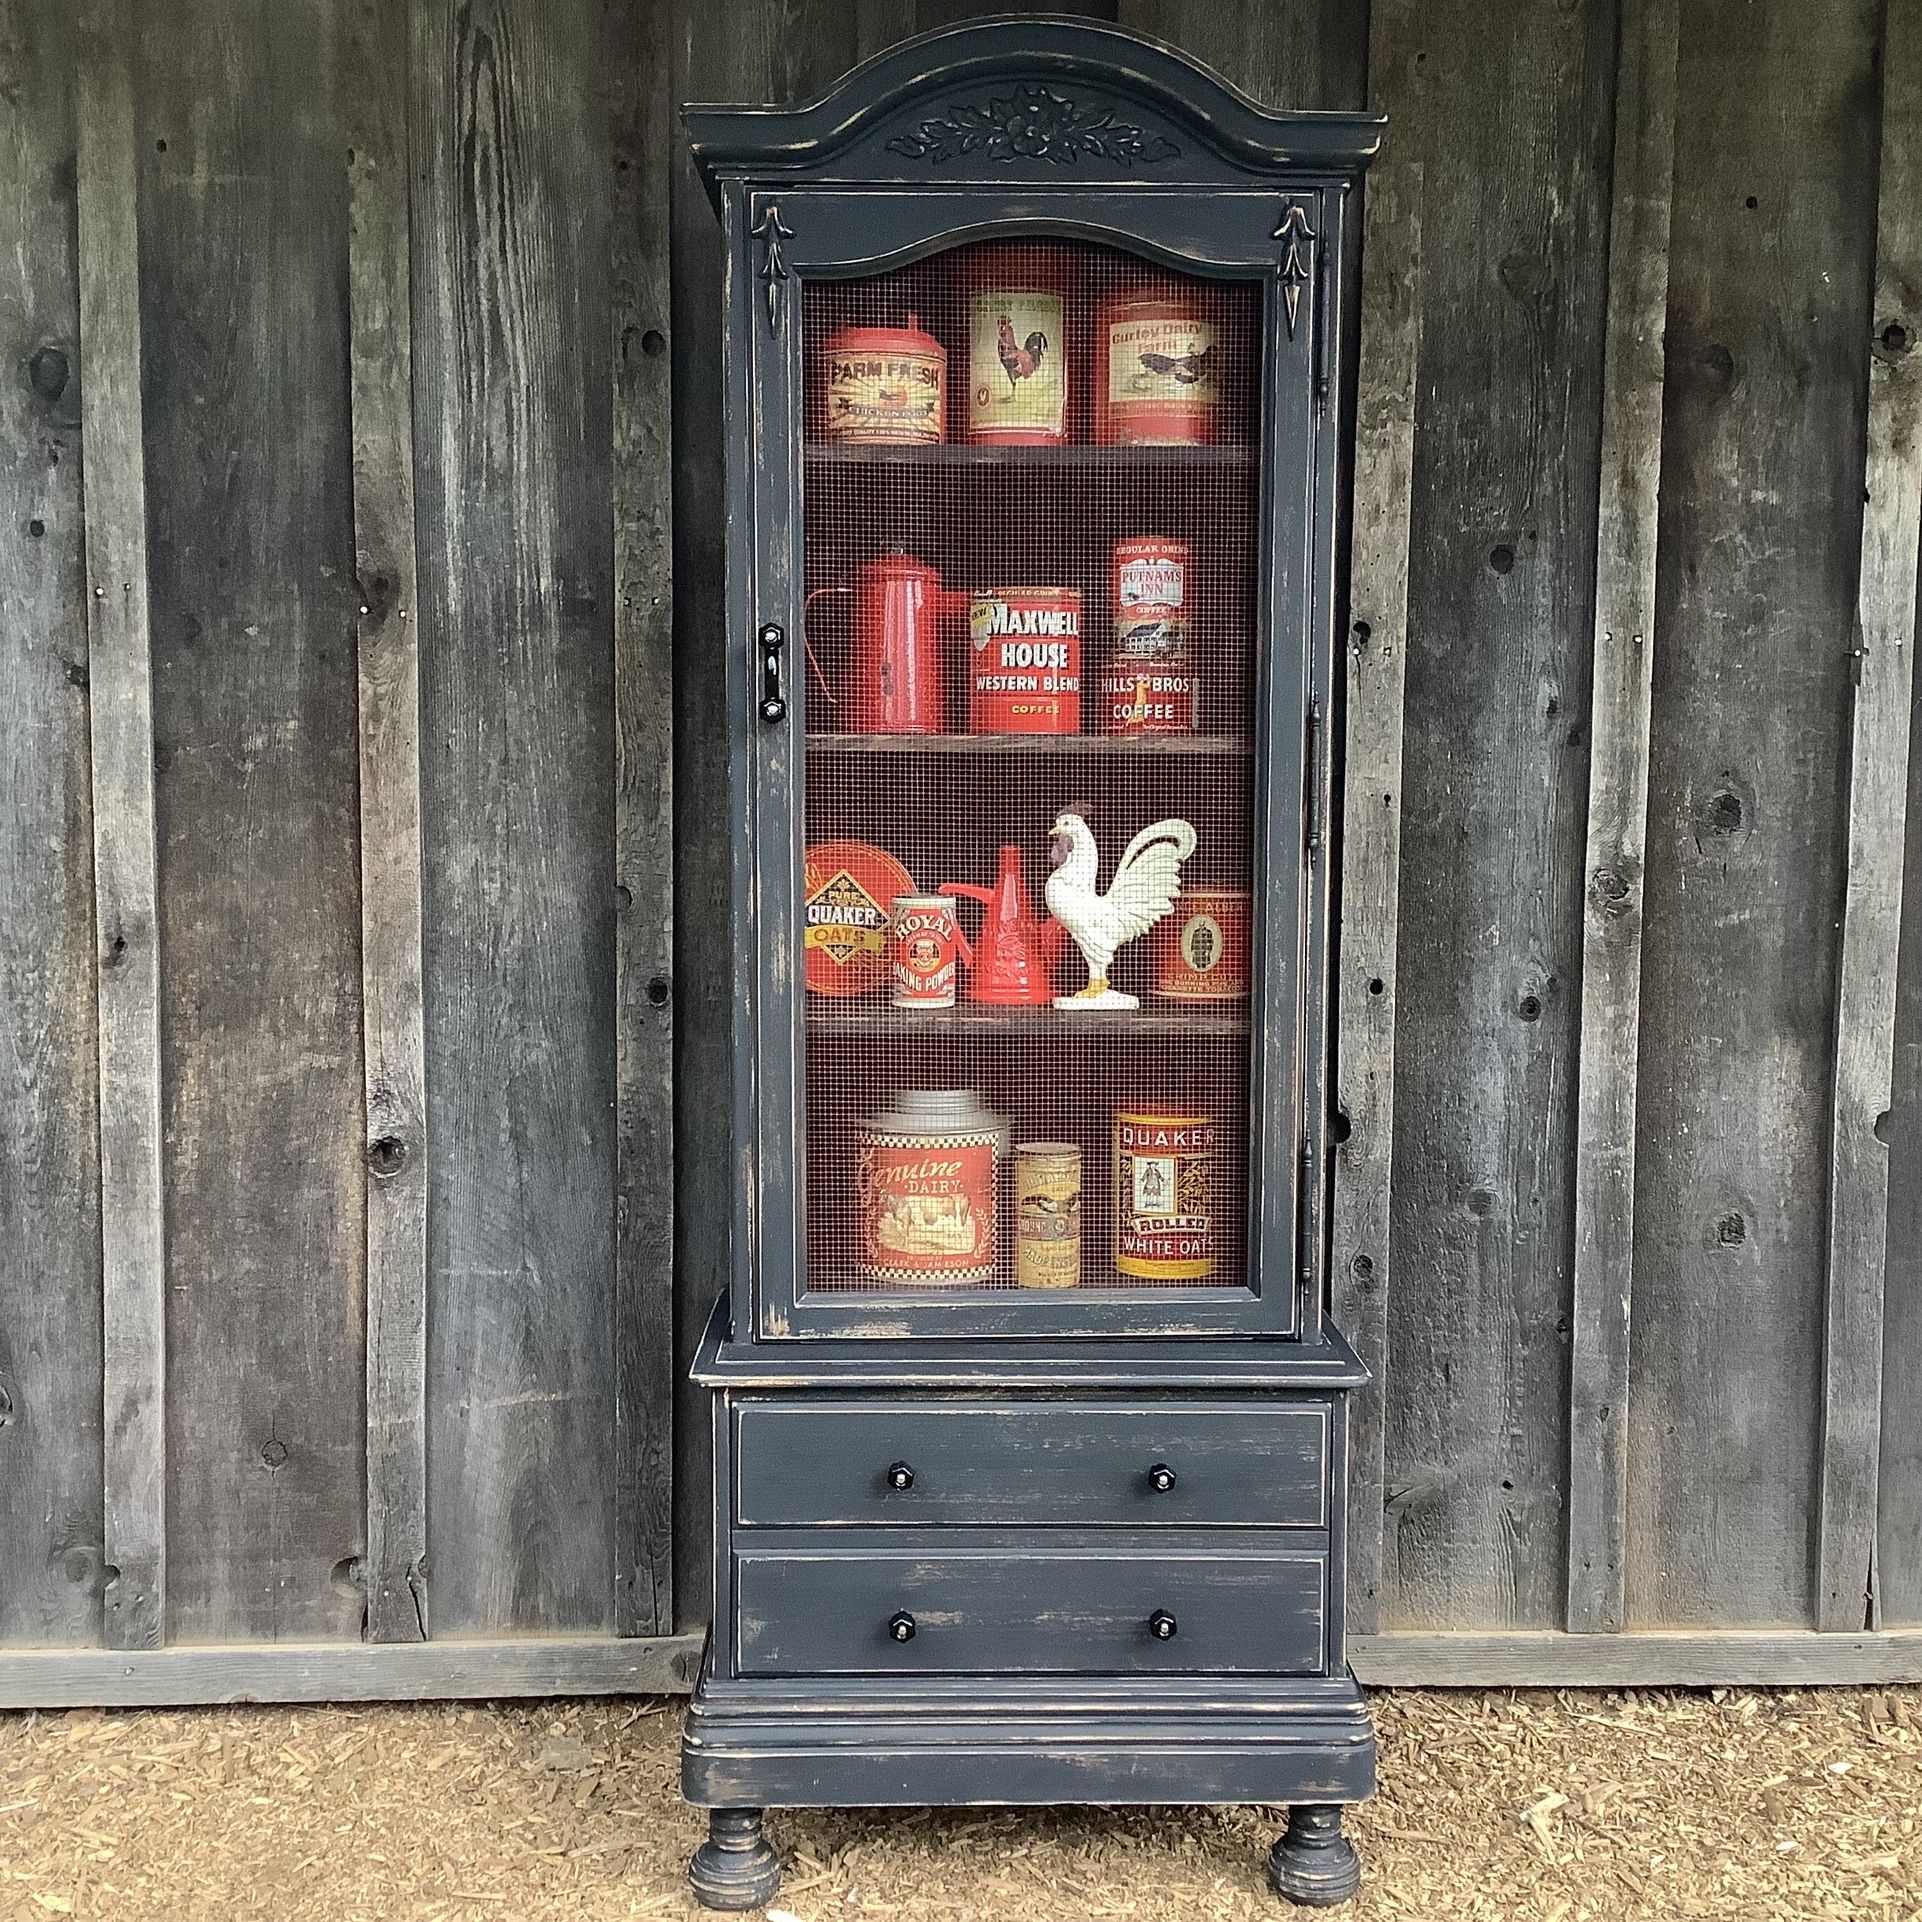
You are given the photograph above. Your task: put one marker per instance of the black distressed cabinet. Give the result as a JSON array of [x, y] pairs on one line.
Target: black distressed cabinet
[[1029, 1427]]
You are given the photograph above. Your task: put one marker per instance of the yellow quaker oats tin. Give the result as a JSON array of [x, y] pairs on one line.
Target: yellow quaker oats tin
[[1047, 1214], [1164, 1200]]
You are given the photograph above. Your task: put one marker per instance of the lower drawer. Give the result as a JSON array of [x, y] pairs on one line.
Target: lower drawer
[[1053, 1606]]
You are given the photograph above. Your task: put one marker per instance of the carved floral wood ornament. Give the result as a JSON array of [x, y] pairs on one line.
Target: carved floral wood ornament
[[1033, 122]]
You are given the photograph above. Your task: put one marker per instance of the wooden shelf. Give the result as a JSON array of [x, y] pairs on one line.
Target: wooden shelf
[[1131, 746], [873, 1015], [1075, 454]]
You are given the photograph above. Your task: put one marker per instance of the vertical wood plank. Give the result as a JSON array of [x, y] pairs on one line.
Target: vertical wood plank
[[759, 50], [50, 1321], [1296, 54], [243, 276], [881, 23], [380, 355], [1625, 546], [1770, 265], [1872, 900], [642, 136], [514, 533], [132, 1230], [1362, 1267], [1509, 111]]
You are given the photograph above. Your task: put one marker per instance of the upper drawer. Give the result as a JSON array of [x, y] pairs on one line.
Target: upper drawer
[[1252, 1463]]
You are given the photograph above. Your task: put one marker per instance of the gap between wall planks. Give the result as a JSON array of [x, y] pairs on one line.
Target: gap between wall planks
[[380, 346], [1633, 374], [132, 1232], [1376, 652], [1872, 905], [642, 134]]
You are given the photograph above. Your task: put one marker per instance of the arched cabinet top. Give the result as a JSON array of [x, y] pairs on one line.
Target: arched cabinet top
[[1028, 100]]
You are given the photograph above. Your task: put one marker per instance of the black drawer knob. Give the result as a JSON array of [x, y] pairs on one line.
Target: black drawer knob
[[900, 1475], [1161, 1478], [1162, 1625], [901, 1627]]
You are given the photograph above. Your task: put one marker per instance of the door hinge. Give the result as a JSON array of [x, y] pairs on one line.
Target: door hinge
[[1315, 783]]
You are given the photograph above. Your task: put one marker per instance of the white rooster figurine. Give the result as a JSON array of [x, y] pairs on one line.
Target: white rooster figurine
[[1142, 891]]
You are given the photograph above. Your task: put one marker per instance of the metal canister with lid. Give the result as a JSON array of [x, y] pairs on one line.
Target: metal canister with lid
[[1164, 1201], [928, 1186], [1047, 1214]]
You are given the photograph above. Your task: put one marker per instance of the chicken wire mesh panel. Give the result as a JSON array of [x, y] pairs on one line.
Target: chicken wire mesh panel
[[1033, 566]]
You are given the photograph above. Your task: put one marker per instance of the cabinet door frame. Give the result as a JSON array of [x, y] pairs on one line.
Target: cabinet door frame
[[780, 240]]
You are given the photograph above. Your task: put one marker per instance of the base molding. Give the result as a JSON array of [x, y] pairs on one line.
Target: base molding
[[954, 1741]]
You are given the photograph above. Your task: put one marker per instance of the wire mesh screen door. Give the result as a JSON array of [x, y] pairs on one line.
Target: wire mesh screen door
[[1033, 588]]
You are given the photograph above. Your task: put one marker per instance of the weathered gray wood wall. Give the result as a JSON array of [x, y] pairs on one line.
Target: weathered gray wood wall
[[362, 971]]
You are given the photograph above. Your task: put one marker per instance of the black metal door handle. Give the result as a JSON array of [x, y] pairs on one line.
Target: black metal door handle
[[1162, 1625], [773, 701], [900, 1475], [1161, 1478], [901, 1627]]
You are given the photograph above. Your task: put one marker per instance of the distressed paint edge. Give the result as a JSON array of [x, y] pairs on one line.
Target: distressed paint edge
[[1627, 531], [1869, 946], [380, 353], [1371, 837], [132, 1194]]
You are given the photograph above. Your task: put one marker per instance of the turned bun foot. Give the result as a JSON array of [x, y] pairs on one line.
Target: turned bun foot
[[1314, 1863], [734, 1868]]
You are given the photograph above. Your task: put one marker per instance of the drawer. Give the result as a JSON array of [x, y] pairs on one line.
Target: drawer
[[1251, 1463], [1044, 1607]]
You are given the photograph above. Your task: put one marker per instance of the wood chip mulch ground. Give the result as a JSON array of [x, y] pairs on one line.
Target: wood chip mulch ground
[[1762, 1805]]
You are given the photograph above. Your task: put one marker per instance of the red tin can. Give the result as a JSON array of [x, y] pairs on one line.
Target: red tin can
[[883, 385], [1017, 346], [926, 950], [1148, 683], [1025, 661], [1202, 950], [1157, 378]]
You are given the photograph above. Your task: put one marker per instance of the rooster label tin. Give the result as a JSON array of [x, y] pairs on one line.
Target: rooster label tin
[[1164, 1185], [927, 1178], [884, 385], [848, 896], [1017, 372], [1148, 683], [1047, 1214], [1162, 384], [924, 951], [1201, 952], [1026, 661]]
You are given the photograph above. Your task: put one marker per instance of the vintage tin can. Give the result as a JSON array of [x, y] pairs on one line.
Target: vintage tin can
[[883, 385], [848, 889], [1202, 950], [924, 951], [1158, 372], [1047, 1214], [1026, 661], [1164, 1202], [1017, 347], [1147, 684], [928, 1184]]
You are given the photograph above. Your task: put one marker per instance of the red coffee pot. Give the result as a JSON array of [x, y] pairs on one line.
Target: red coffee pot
[[1014, 955], [894, 675]]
